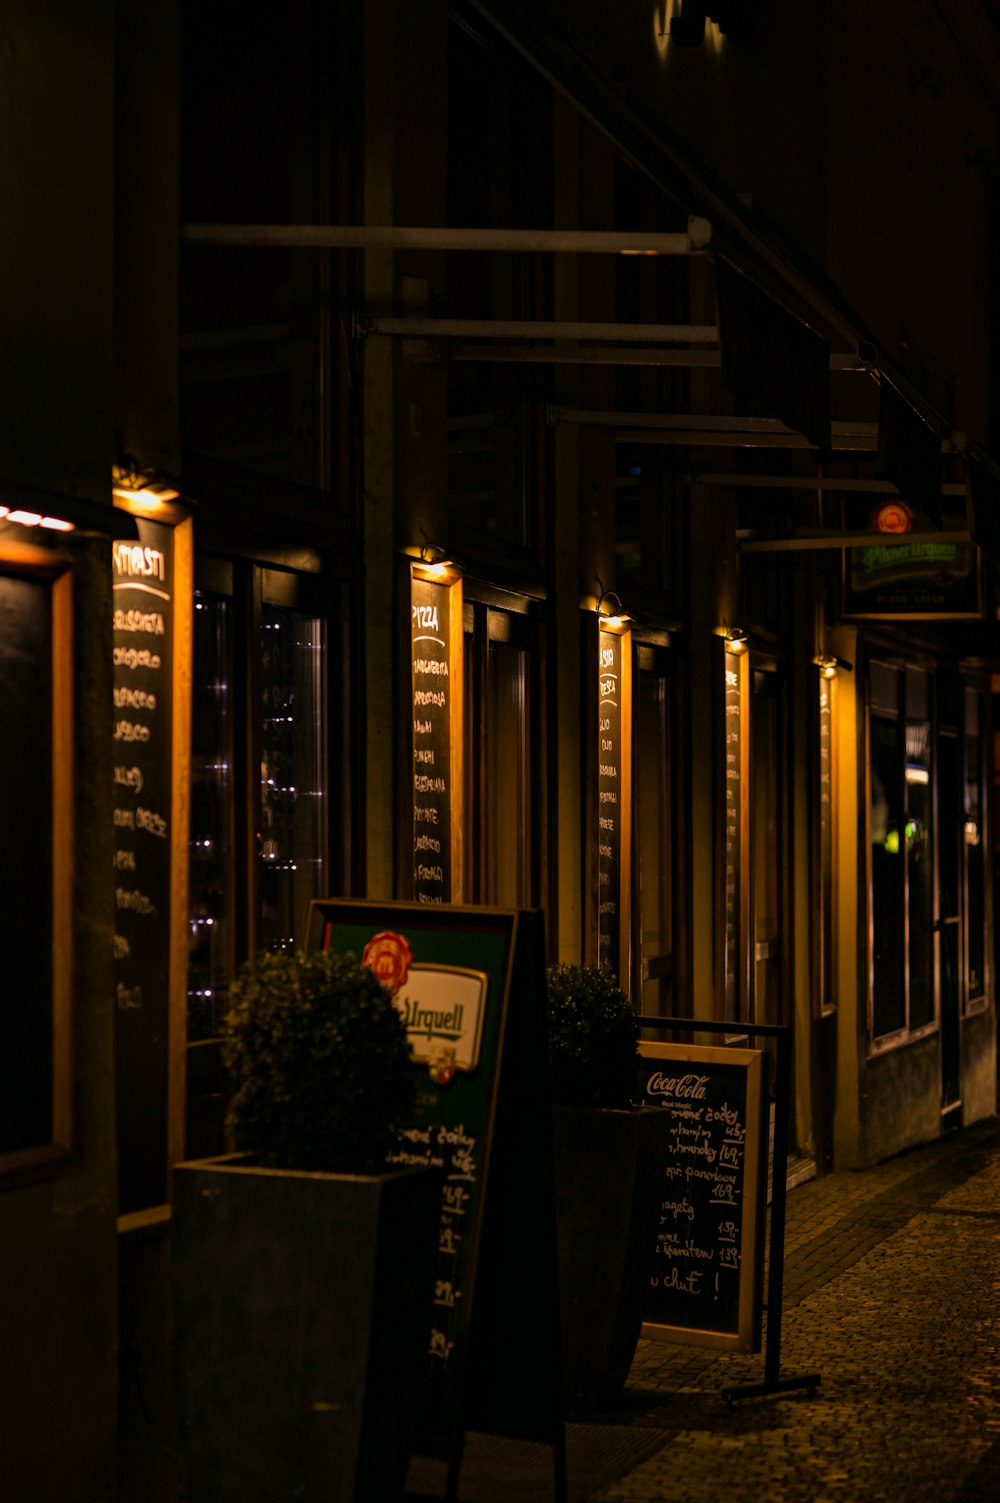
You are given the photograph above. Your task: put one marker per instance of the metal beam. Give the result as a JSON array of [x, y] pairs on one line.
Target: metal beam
[[849, 540], [529, 328], [695, 241], [809, 483]]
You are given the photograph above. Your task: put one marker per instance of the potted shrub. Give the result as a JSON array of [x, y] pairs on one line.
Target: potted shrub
[[303, 1266], [608, 1157]]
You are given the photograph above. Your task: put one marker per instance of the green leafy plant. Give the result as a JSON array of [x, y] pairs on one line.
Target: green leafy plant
[[318, 1062], [593, 1038]]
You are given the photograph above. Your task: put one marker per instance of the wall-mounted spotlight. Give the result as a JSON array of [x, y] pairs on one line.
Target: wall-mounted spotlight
[[432, 559], [829, 667], [142, 492], [612, 615], [736, 640]]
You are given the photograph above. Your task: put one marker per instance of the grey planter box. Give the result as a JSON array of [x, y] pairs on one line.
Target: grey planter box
[[302, 1310]]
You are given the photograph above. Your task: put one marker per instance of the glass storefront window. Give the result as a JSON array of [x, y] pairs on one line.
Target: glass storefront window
[[975, 848], [901, 826], [652, 836], [918, 829], [503, 781], [260, 817], [210, 918], [292, 773], [886, 828]]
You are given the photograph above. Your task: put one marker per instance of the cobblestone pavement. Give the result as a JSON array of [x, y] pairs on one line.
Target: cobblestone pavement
[[891, 1295]]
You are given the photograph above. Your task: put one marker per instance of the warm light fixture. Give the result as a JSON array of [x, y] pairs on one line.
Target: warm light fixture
[[611, 616], [141, 491], [434, 558], [33, 506], [830, 666], [736, 640], [35, 519]]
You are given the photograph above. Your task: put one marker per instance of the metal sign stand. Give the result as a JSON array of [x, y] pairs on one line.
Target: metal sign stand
[[782, 1035]]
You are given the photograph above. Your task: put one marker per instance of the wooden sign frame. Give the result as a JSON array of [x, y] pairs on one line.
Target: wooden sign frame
[[157, 1031], [928, 580], [49, 571], [747, 1156], [430, 845], [614, 797], [496, 1290]]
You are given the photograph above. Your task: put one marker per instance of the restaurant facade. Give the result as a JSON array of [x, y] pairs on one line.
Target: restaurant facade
[[483, 460]]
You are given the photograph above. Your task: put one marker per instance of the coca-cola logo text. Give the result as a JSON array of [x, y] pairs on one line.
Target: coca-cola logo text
[[677, 1087]]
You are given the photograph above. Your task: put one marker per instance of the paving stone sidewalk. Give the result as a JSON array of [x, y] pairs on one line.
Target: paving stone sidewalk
[[891, 1294]]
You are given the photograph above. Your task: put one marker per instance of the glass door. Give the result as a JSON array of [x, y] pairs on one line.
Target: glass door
[[264, 750]]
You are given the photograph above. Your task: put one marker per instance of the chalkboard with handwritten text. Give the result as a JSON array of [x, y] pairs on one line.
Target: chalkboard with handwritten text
[[142, 582], [432, 711], [610, 800], [706, 1282], [26, 1083], [470, 984]]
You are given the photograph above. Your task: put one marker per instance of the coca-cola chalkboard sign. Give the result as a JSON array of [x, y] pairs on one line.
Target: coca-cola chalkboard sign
[[705, 1285]]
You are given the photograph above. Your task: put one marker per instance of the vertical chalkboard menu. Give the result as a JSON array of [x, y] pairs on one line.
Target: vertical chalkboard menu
[[34, 916], [706, 1283], [613, 790], [435, 637], [732, 831], [825, 958], [469, 983], [143, 771]]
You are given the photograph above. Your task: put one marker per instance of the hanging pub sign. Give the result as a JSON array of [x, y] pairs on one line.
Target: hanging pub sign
[[435, 615], [614, 762], [923, 578]]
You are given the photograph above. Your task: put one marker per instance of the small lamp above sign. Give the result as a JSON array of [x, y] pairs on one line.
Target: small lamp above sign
[[829, 667], [736, 640], [143, 493], [613, 617], [432, 562]]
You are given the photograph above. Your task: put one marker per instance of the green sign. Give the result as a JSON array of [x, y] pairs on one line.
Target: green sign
[[470, 984], [920, 579]]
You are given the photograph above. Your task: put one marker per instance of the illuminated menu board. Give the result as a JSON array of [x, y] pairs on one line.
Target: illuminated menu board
[[150, 765], [614, 799], [435, 628], [733, 736], [826, 839]]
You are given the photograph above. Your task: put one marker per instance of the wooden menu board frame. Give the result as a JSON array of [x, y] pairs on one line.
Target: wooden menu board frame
[[429, 842], [36, 651], [614, 797], [473, 995], [714, 1194], [151, 577]]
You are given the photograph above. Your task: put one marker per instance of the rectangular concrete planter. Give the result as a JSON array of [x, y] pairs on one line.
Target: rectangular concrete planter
[[302, 1313]]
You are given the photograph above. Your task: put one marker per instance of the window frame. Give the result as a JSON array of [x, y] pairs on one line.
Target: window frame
[[902, 664]]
